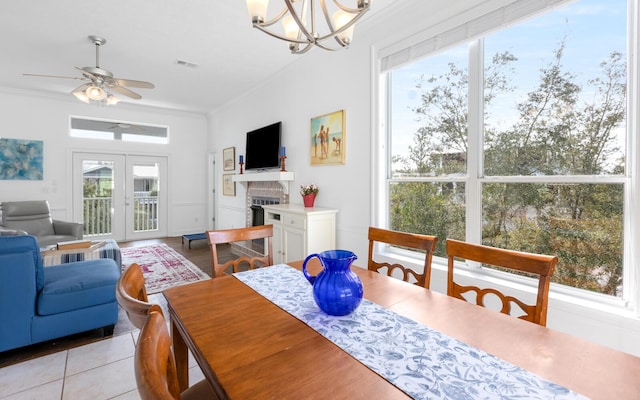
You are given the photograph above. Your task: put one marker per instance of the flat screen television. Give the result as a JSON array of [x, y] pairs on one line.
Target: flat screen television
[[263, 147]]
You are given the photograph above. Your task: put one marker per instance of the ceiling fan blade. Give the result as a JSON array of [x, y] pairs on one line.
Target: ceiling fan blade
[[100, 79], [82, 87], [56, 76], [126, 92], [134, 83]]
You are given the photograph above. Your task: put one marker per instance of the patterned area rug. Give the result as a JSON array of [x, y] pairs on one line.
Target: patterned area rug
[[162, 266]]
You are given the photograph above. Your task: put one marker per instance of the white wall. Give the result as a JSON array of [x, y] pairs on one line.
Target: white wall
[[316, 84], [322, 82], [46, 117]]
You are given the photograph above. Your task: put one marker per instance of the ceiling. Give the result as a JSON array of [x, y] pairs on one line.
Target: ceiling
[[145, 40]]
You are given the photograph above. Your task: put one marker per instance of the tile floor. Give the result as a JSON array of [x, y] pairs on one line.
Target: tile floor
[[97, 371]]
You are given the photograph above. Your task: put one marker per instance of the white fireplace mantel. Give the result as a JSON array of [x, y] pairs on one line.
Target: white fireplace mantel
[[282, 177]]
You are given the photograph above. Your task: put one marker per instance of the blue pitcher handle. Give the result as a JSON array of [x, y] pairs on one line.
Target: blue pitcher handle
[[310, 278]]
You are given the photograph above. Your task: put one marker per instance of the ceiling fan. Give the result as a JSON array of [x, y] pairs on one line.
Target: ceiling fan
[[101, 82]]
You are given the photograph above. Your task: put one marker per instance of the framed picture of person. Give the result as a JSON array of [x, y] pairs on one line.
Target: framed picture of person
[[228, 185], [328, 139], [229, 159]]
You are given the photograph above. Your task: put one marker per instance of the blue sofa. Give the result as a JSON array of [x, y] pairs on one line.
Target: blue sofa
[[39, 304]]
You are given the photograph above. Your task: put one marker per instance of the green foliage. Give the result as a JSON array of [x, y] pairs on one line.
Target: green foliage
[[433, 208]]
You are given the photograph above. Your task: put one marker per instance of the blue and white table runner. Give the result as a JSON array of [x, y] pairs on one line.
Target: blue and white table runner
[[422, 362]]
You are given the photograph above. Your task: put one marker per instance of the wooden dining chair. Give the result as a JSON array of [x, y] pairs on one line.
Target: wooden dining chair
[[155, 366], [423, 243], [534, 264], [242, 235], [132, 295]]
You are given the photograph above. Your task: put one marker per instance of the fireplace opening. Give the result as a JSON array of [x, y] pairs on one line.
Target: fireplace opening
[[258, 194], [257, 212], [255, 247], [257, 215]]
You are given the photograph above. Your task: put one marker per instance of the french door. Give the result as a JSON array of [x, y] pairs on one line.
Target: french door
[[120, 196]]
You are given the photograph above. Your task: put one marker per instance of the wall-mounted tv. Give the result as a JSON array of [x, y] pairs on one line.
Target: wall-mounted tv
[[263, 147]]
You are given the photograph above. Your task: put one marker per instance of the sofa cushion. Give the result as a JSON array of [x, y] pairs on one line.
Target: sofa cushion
[[25, 243], [17, 299], [31, 216], [78, 285], [42, 225]]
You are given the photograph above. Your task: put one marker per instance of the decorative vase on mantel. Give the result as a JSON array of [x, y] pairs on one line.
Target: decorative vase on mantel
[[309, 199]]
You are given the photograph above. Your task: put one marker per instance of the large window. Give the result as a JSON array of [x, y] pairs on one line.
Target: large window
[[517, 139]]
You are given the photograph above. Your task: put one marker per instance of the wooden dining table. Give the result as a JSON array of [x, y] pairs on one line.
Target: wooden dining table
[[249, 348]]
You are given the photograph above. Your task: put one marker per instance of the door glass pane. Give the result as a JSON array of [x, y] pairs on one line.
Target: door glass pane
[[97, 198], [146, 186]]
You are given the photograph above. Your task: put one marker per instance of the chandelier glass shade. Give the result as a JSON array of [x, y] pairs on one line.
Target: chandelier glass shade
[[301, 22]]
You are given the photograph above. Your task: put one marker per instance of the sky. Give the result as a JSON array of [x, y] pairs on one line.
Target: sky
[[592, 30]]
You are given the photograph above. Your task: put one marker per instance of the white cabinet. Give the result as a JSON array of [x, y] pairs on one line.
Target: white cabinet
[[300, 231]]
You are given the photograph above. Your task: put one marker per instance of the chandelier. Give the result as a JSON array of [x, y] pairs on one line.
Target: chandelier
[[300, 21]]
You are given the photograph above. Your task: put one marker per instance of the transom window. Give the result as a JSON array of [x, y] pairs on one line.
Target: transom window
[[114, 130]]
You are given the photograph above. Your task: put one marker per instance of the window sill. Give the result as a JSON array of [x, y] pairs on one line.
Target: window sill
[[560, 296]]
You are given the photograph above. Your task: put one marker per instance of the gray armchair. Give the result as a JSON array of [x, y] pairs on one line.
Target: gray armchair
[[34, 218]]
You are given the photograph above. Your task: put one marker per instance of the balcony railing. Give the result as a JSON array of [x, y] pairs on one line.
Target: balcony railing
[[98, 221]]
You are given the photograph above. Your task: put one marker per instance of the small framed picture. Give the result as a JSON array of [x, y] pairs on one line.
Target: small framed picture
[[228, 185], [229, 159], [328, 139]]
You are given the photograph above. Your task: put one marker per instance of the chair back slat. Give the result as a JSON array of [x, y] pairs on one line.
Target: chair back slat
[[132, 295], [535, 264], [155, 367], [414, 241], [216, 237]]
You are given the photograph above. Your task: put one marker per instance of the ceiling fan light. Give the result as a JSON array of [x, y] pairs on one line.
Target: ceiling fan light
[[81, 95], [112, 100], [95, 93]]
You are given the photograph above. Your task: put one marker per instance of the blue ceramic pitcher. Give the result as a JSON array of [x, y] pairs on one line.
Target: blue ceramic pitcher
[[336, 289]]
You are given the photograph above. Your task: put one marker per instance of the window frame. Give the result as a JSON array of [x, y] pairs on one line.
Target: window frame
[[381, 165]]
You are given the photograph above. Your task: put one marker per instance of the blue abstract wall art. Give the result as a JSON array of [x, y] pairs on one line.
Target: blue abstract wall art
[[21, 159]]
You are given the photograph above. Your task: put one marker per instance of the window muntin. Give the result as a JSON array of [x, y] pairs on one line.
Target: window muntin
[[553, 107]]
